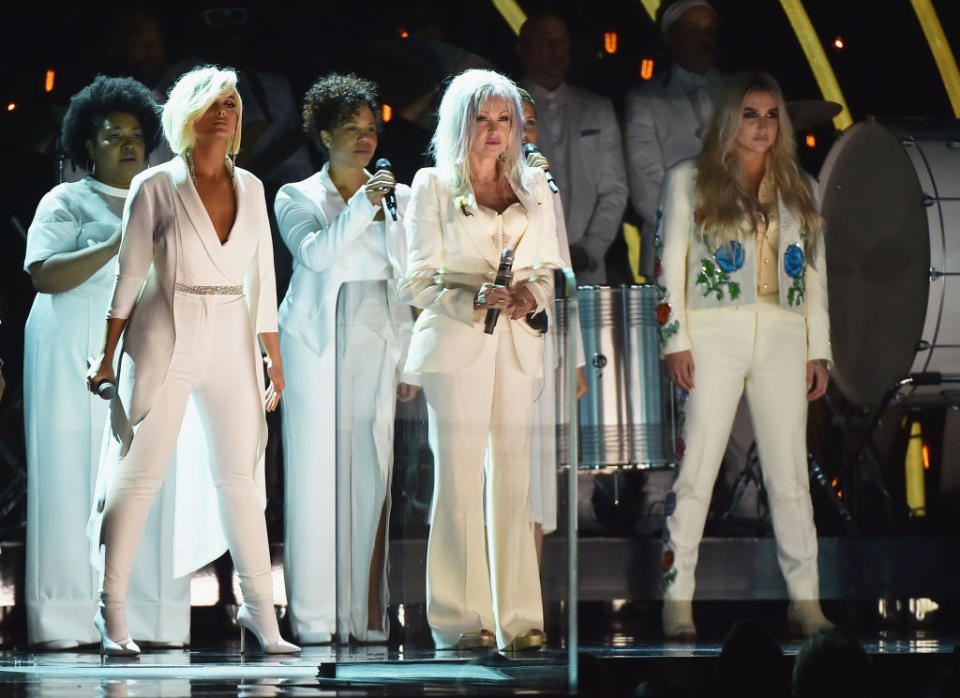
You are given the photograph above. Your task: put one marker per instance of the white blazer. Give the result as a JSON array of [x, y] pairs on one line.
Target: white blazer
[[330, 244], [449, 256], [162, 203], [694, 277]]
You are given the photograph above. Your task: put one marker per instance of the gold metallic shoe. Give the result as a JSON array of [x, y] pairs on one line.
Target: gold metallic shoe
[[475, 640], [532, 639]]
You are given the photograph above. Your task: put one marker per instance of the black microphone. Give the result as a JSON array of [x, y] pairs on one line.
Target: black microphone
[[504, 277], [528, 150], [391, 197]]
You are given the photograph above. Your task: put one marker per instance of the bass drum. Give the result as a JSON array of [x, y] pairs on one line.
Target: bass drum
[[891, 202]]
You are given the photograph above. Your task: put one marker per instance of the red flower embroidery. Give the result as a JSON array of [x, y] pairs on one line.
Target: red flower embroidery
[[667, 560], [681, 449], [656, 267], [663, 313]]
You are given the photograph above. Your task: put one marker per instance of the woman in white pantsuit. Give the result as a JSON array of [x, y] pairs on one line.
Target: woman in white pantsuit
[[744, 310], [338, 427], [112, 124], [479, 200], [196, 240]]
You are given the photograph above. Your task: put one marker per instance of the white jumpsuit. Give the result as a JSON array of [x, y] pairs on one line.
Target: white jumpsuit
[[64, 430]]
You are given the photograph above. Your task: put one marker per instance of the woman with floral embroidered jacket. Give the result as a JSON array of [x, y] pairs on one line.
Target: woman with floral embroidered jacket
[[743, 309]]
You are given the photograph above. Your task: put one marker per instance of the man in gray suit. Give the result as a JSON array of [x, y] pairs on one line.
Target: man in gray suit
[[580, 137], [663, 117]]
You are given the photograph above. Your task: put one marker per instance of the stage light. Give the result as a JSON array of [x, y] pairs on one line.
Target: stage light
[[403, 33], [11, 106], [387, 111], [48, 81], [926, 457], [610, 40], [811, 140], [512, 13], [646, 68], [838, 43]]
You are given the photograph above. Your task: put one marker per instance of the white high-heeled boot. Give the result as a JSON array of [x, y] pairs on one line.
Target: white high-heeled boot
[[111, 620], [678, 620], [259, 617]]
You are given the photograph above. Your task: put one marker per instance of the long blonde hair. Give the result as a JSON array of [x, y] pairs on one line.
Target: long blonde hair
[[722, 196], [456, 124]]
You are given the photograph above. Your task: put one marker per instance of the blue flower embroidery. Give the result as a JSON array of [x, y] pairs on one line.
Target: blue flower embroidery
[[793, 261], [729, 256]]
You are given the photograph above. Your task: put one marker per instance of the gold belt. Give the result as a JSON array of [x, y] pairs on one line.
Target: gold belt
[[210, 290]]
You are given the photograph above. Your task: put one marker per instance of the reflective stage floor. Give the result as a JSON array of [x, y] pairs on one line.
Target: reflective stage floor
[[912, 667]]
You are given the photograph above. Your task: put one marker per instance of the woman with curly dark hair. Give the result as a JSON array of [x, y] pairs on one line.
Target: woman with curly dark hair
[[339, 229], [110, 127]]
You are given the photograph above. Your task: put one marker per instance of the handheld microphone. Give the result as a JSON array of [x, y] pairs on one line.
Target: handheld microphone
[[504, 277], [105, 389], [528, 150], [391, 197]]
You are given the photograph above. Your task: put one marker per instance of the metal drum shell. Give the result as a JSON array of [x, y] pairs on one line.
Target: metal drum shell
[[626, 420]]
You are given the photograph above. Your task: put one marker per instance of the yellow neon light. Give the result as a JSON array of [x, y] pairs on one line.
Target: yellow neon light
[[511, 13], [817, 59], [651, 7], [386, 112], [48, 81], [610, 42], [946, 63]]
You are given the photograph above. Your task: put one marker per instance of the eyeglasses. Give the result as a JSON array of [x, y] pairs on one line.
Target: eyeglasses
[[220, 16]]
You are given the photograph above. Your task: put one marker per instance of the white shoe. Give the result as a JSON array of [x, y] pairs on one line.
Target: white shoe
[[113, 648], [804, 618], [261, 620], [678, 620]]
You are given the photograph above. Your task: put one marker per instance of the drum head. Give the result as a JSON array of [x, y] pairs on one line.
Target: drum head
[[878, 260]]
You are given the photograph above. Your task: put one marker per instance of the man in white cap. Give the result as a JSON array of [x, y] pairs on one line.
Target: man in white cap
[[580, 137], [664, 116]]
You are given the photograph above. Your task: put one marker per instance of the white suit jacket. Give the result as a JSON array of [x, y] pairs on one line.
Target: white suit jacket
[[449, 256], [593, 180], [331, 243], [162, 203], [660, 125], [694, 277]]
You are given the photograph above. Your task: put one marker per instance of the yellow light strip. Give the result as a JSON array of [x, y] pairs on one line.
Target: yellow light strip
[[940, 48], [512, 13], [817, 59], [651, 6]]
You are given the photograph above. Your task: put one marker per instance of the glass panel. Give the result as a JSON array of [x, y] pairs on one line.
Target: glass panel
[[463, 427]]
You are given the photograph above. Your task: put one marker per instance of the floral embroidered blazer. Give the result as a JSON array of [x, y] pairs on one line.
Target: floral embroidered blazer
[[690, 276]]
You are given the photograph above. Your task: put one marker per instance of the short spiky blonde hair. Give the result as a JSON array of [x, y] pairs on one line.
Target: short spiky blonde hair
[[190, 97], [461, 103]]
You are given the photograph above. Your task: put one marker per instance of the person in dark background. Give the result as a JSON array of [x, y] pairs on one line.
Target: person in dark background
[[580, 137], [831, 664], [663, 117], [750, 664], [137, 46], [110, 127]]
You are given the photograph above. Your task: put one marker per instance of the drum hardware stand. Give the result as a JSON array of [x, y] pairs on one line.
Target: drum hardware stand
[[751, 474], [817, 475]]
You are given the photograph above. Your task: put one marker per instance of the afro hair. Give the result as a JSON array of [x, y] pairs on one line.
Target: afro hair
[[334, 98]]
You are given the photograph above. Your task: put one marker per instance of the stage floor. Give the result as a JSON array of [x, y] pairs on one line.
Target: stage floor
[[916, 665]]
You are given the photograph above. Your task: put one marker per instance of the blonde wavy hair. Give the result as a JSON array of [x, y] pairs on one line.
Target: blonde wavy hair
[[190, 97], [456, 125], [723, 198]]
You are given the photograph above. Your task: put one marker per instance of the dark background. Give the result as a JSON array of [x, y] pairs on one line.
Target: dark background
[[886, 69]]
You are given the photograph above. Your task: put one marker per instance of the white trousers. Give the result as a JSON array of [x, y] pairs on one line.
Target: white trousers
[[327, 584], [211, 360], [761, 352], [487, 406]]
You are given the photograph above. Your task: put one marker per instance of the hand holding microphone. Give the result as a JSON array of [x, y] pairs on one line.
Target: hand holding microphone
[[383, 166], [536, 159], [100, 378], [504, 277]]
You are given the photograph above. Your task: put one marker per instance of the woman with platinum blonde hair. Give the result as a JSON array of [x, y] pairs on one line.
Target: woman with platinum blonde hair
[[479, 202], [743, 294], [196, 240]]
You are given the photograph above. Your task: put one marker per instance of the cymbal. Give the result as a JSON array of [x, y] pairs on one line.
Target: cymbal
[[810, 113]]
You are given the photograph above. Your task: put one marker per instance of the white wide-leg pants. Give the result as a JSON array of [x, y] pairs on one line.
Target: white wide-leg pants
[[326, 451], [761, 351], [487, 406], [212, 360]]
